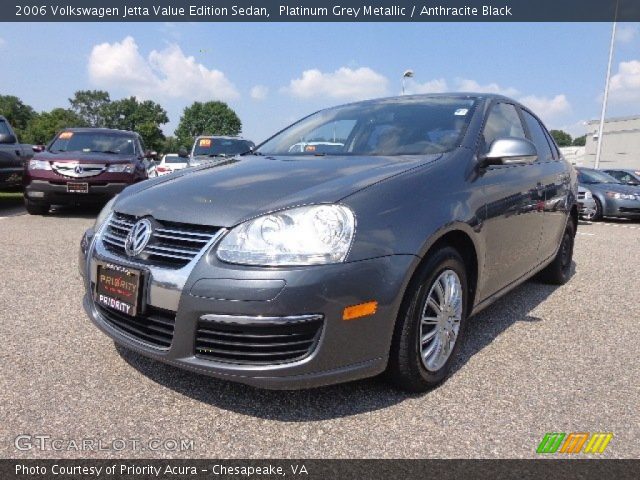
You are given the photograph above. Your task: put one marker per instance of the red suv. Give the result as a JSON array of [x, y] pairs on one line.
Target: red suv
[[84, 165]]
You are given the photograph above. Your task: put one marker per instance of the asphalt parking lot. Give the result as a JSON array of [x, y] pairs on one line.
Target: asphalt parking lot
[[542, 359]]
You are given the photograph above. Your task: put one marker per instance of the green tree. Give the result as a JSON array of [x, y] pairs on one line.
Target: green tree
[[143, 117], [563, 139], [44, 126], [208, 118], [17, 113], [170, 145], [90, 106], [580, 141]]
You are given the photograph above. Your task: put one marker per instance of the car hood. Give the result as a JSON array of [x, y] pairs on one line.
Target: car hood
[[611, 187], [84, 157], [230, 191]]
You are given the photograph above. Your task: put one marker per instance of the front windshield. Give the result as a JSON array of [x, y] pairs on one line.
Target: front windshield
[[220, 147], [114, 143], [594, 176], [411, 126]]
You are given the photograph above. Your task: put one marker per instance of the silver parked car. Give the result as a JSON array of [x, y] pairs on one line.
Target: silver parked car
[[586, 203], [612, 198]]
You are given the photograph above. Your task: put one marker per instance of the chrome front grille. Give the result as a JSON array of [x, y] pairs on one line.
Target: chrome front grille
[[172, 244], [78, 170]]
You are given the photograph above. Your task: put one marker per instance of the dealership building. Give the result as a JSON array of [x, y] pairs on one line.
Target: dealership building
[[620, 146]]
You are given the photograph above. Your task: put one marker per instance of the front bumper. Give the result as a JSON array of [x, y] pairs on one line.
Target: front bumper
[[207, 288], [622, 208], [11, 177], [55, 193], [586, 206]]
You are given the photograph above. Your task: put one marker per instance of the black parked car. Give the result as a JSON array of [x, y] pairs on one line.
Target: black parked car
[[290, 269], [13, 156], [613, 198]]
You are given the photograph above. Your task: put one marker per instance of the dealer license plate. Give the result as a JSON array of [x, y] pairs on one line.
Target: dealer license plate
[[118, 288], [77, 187]]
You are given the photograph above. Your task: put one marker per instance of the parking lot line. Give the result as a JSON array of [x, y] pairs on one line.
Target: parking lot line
[[632, 227]]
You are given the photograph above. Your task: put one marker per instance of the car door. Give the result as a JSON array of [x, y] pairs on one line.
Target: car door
[[557, 185], [514, 198]]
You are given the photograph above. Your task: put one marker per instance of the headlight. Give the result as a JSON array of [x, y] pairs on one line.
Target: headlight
[[621, 196], [121, 168], [311, 235], [104, 213], [39, 165], [588, 194]]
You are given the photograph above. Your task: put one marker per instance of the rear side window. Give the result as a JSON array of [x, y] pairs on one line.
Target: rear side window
[[624, 177], [503, 121], [552, 144], [538, 137], [4, 129]]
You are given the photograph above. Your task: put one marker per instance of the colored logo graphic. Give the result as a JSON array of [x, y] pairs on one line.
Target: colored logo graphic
[[574, 442]]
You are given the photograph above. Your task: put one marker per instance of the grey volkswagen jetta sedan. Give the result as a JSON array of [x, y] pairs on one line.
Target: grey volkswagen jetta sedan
[[364, 253]]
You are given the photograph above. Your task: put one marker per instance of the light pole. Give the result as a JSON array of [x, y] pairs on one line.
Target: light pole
[[606, 91], [406, 74]]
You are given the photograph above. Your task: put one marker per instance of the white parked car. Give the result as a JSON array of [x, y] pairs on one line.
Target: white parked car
[[170, 163]]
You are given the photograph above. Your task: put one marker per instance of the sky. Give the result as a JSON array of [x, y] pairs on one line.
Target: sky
[[273, 74]]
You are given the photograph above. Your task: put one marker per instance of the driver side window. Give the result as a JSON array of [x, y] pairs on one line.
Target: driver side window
[[503, 121]]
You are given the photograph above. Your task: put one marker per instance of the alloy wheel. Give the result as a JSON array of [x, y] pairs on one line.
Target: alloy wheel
[[440, 320]]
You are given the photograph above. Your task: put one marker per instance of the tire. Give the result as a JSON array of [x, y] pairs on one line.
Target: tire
[[407, 369], [597, 215], [558, 271], [36, 208]]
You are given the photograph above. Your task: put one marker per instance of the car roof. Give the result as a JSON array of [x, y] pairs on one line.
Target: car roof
[[223, 137], [426, 96], [98, 130], [477, 96]]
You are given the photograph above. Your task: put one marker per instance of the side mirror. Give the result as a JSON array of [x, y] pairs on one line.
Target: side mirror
[[38, 148], [510, 151], [8, 138], [182, 152]]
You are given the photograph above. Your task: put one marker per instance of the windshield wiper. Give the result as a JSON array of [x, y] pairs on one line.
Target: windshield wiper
[[217, 155], [251, 152], [111, 152]]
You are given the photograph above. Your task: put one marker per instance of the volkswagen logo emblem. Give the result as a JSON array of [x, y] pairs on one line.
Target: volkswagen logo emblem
[[138, 237], [79, 170]]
